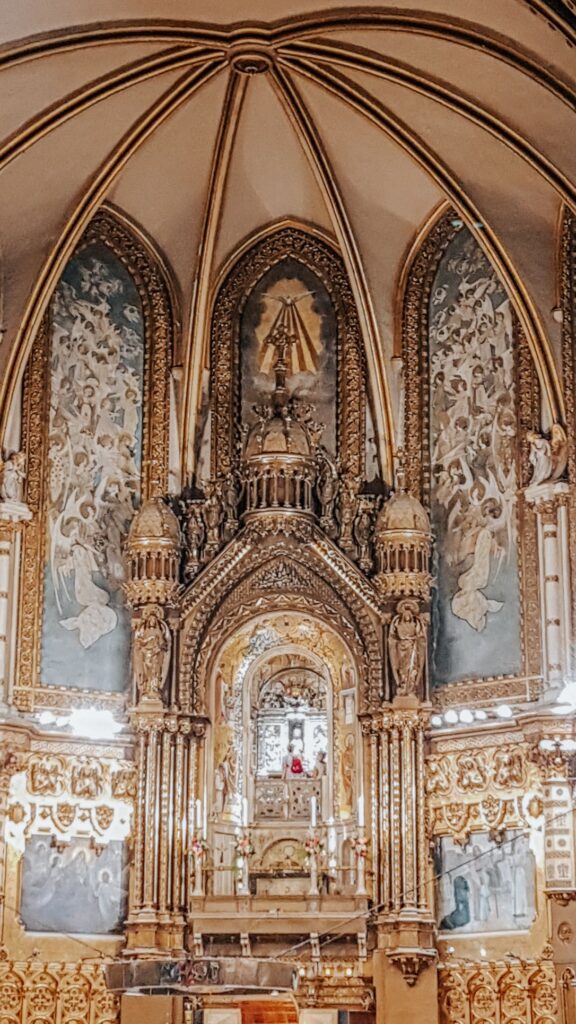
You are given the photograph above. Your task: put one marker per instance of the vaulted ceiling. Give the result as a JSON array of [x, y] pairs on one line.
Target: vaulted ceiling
[[205, 122]]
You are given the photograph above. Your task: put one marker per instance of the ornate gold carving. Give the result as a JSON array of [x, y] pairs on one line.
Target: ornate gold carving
[[411, 962], [138, 260], [46, 775], [523, 991], [252, 265], [47, 993], [568, 301]]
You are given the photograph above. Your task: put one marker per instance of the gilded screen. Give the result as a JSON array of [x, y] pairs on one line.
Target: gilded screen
[[476, 614], [94, 458]]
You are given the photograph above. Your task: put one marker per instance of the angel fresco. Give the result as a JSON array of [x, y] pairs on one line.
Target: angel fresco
[[94, 444], [473, 421]]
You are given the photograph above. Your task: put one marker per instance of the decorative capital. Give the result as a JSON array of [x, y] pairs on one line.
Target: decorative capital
[[411, 962]]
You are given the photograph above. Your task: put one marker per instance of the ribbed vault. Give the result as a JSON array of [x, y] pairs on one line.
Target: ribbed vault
[[206, 123]]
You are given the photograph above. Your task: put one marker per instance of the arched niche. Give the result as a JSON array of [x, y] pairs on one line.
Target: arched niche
[[282, 678]]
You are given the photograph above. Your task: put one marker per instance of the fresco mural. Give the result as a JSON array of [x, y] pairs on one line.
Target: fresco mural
[[95, 444], [290, 294], [473, 462], [75, 888], [487, 886]]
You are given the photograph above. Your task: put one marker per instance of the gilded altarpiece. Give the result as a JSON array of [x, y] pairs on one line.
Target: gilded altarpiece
[[471, 398], [95, 432]]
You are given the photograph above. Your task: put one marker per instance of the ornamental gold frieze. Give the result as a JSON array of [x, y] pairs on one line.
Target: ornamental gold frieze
[[481, 789], [518, 991], [55, 992], [83, 794], [480, 692]]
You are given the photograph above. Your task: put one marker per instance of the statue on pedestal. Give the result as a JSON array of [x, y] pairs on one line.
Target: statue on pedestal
[[152, 646], [407, 648]]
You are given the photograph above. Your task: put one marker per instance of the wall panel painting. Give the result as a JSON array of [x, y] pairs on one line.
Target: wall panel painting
[[94, 463], [290, 295], [473, 424], [75, 889], [487, 886]]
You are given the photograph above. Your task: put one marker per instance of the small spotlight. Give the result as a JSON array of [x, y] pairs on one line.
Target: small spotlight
[[466, 716], [504, 711], [451, 716], [480, 715], [436, 721]]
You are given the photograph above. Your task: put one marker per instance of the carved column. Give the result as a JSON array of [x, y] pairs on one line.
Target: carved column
[[13, 515], [404, 963], [555, 758], [550, 501]]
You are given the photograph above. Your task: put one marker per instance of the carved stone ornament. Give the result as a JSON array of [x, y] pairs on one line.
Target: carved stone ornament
[[12, 477], [411, 962]]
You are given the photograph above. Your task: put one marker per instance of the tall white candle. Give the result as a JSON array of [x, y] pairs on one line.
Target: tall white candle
[[313, 811], [244, 810], [361, 811], [198, 815]]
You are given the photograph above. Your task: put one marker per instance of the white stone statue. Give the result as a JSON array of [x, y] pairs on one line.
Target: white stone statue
[[152, 645], [13, 475], [548, 457]]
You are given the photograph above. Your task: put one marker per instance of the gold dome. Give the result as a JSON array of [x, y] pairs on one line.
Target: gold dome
[[403, 512], [155, 525]]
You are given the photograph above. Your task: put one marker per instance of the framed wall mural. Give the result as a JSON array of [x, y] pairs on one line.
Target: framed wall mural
[[74, 888], [486, 886], [471, 397], [96, 434]]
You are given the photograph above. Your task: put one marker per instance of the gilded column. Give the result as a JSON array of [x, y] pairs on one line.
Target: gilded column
[[13, 516], [405, 988]]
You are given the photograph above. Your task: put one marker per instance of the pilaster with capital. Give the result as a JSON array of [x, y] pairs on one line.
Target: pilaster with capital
[[13, 517], [550, 501]]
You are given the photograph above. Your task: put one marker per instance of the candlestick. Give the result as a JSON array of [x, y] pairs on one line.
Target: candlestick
[[198, 815], [361, 811], [244, 811], [313, 811]]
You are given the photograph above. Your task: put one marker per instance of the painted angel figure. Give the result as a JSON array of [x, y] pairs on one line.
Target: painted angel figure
[[152, 645], [407, 648], [13, 474]]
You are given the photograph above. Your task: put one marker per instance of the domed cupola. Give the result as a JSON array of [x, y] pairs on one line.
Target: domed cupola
[[153, 554], [402, 540]]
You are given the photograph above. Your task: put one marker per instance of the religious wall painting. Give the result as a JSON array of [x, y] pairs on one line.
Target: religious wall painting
[[291, 301], [473, 424], [489, 885], [74, 888], [94, 464]]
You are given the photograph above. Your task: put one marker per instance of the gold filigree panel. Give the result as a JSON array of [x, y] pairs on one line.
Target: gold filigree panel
[[55, 993], [322, 260], [513, 992], [480, 789], [132, 252], [568, 300]]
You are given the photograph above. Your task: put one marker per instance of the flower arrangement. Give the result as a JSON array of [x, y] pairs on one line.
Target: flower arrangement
[[243, 845], [198, 846], [314, 845], [360, 846]]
